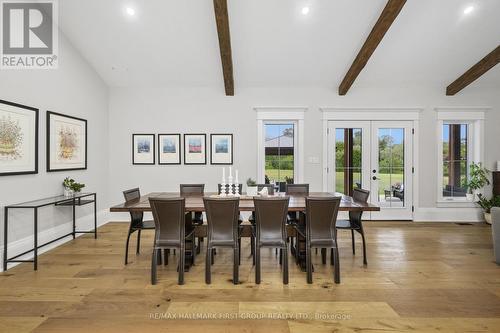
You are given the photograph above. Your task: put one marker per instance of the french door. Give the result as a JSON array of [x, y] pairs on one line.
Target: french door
[[374, 155]]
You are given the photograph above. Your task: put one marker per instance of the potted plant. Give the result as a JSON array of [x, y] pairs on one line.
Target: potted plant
[[71, 186], [478, 178], [251, 187], [487, 204]]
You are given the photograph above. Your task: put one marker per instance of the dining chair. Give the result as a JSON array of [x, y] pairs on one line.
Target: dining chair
[[137, 222], [270, 220], [297, 189], [355, 222], [295, 217], [320, 231], [270, 188], [197, 217], [172, 231], [223, 232], [233, 188]]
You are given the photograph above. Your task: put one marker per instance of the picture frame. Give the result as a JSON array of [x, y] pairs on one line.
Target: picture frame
[[66, 142], [143, 149], [18, 139], [169, 149], [221, 149], [195, 149]]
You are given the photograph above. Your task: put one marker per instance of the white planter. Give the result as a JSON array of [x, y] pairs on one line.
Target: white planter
[[68, 192], [252, 191], [469, 196], [487, 217]]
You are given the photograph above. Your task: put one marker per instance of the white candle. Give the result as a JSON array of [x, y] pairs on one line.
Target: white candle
[[237, 181]]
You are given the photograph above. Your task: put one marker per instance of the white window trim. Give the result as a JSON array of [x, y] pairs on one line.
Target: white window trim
[[474, 117], [267, 114]]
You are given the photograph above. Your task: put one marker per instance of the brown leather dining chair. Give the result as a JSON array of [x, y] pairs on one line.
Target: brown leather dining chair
[[270, 220], [223, 232], [197, 217], [295, 217], [355, 223], [137, 222], [171, 232], [320, 231]]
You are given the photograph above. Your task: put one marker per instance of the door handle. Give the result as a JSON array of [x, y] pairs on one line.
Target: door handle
[[375, 178]]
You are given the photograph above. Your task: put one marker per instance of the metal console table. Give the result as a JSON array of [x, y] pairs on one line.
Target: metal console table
[[78, 199]]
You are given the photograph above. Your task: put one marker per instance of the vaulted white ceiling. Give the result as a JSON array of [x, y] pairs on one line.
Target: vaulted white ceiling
[[172, 42]]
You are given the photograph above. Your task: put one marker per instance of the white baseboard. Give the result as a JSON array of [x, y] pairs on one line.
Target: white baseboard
[[448, 215], [84, 223]]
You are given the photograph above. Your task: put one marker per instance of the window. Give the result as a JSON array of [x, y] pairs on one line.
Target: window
[[348, 145], [279, 153], [455, 150], [460, 144]]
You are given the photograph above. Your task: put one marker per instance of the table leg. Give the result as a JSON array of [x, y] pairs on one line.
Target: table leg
[[5, 240], [74, 218], [35, 238], [95, 215]]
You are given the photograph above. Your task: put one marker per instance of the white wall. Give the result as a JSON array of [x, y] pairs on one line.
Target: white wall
[[74, 89], [207, 110]]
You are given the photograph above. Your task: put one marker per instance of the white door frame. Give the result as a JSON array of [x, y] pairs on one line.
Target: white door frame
[[372, 114]]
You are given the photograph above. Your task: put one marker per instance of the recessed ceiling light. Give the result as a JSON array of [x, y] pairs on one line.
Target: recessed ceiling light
[[305, 10], [468, 10], [130, 11]]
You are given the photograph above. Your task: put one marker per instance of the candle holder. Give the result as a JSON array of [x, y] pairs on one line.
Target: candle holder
[[230, 186], [236, 189]]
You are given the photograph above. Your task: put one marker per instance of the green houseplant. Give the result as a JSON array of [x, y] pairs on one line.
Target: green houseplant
[[251, 187], [487, 204], [478, 178], [71, 186]]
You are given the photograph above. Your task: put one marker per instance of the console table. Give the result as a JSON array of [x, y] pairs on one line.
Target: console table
[[78, 199]]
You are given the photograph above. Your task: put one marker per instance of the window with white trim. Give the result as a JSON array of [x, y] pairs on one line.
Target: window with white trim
[[459, 144]]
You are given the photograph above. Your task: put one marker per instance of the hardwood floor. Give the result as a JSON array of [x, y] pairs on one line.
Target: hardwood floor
[[424, 277]]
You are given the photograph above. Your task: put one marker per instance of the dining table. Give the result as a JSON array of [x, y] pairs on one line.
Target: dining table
[[194, 203]]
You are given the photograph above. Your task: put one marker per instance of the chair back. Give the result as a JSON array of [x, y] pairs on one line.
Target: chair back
[[358, 195], [297, 189], [226, 190], [270, 188], [169, 217], [192, 189], [321, 217], [270, 217], [131, 196], [222, 218]]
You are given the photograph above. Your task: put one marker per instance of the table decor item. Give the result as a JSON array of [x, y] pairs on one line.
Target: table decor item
[[143, 149], [264, 192], [237, 185], [223, 183], [230, 182], [66, 142], [195, 149], [71, 186], [251, 187], [169, 149], [221, 149], [18, 139]]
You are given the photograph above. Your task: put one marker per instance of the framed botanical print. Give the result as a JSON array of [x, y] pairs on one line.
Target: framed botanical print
[[221, 151], [195, 149], [18, 139], [143, 149], [169, 149], [66, 142]]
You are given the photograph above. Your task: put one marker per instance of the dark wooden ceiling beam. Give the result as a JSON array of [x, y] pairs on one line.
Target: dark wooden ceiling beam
[[475, 72], [222, 20], [384, 22]]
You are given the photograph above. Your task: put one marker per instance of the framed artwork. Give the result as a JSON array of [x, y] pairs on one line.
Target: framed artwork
[[221, 149], [169, 149], [143, 149], [66, 142], [18, 139], [195, 149]]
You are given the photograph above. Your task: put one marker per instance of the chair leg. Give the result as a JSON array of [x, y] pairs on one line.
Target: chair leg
[[153, 267], [323, 256], [257, 265], [308, 264], [166, 253], [213, 256], [336, 275], [126, 246], [158, 254], [281, 256], [182, 258], [332, 260], [353, 245], [252, 245], [236, 265], [200, 241], [138, 241], [364, 247], [239, 251], [193, 249], [316, 249], [208, 266], [285, 265]]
